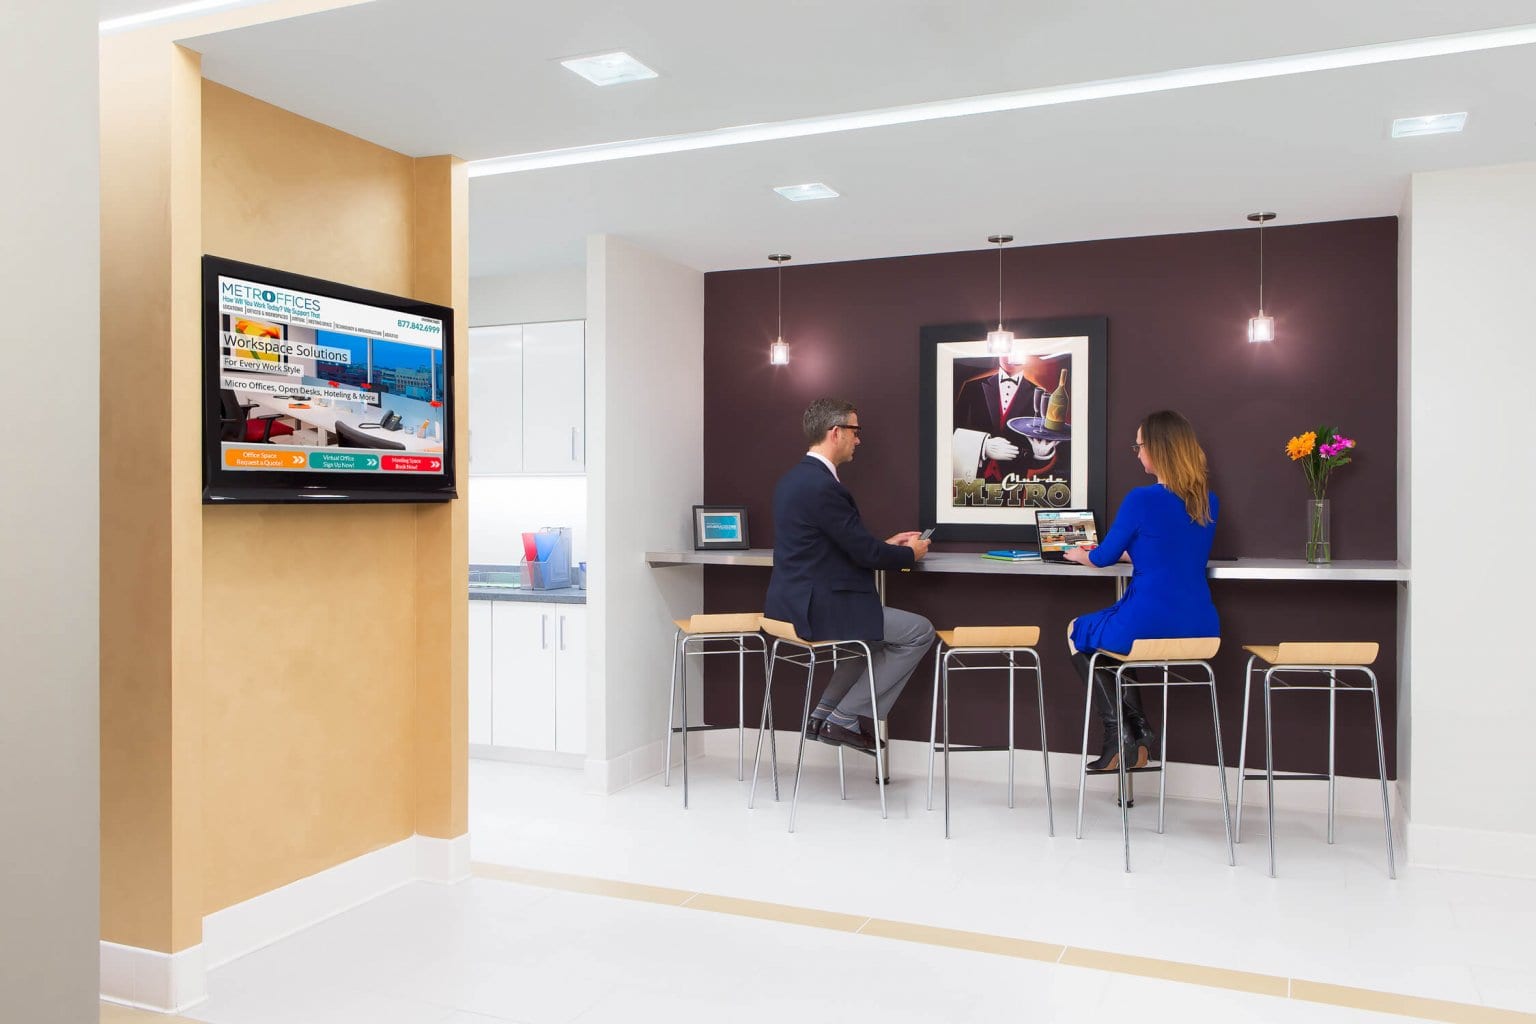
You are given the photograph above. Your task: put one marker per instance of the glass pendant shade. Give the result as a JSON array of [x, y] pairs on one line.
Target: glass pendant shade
[[999, 342], [1261, 328], [778, 353]]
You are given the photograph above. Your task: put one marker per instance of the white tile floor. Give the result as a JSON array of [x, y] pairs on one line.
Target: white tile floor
[[492, 951]]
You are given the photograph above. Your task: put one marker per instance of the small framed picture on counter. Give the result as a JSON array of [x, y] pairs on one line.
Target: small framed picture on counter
[[719, 527]]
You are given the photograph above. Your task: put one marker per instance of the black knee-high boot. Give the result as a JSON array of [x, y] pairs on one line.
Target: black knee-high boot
[[1102, 683]]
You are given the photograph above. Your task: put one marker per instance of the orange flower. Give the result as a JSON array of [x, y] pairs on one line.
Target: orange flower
[[1300, 446]]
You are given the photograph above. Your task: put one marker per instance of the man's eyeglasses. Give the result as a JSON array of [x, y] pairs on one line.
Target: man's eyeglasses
[[850, 426], [1137, 446]]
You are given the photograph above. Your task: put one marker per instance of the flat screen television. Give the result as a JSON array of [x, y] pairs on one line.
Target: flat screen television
[[316, 392]]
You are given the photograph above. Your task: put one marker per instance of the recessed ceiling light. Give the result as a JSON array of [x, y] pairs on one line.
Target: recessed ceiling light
[[1429, 124], [811, 190], [1026, 99], [609, 68]]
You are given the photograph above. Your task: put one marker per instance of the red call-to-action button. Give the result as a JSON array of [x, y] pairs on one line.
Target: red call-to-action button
[[412, 463]]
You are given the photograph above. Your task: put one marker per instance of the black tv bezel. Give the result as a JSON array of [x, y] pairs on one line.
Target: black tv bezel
[[231, 487]]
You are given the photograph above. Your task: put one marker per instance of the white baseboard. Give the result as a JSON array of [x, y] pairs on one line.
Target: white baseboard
[[1470, 849], [909, 759], [612, 775], [445, 861], [149, 980], [171, 982], [519, 755]]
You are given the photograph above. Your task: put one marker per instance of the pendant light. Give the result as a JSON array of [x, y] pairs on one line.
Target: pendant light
[[1261, 327], [999, 342], [778, 352]]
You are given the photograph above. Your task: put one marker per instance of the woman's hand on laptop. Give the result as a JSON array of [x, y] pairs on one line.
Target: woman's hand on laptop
[[1078, 555]]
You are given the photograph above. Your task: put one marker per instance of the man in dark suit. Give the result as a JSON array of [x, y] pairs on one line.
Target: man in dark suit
[[824, 583]]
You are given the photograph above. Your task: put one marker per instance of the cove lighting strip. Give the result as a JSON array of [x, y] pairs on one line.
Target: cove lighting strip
[[1133, 85], [176, 12]]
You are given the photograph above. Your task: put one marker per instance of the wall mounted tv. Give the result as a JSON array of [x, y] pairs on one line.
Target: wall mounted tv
[[316, 392]]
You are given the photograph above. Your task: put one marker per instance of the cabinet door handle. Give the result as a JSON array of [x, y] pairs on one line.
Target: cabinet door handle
[[573, 444], [544, 632], [562, 632]]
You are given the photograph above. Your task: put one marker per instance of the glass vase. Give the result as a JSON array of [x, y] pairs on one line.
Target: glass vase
[[1319, 549]]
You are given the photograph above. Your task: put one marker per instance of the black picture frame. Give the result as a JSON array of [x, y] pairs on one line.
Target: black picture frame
[[734, 517], [952, 357]]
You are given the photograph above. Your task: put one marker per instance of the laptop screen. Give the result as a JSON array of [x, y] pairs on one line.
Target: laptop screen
[[1060, 529]]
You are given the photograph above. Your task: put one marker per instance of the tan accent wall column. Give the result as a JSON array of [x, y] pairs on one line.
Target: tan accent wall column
[[442, 531], [151, 492]]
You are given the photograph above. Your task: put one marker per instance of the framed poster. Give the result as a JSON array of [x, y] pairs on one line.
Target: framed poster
[[1004, 435]]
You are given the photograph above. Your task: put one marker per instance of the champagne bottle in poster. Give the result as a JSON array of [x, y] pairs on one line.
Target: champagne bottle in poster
[[1056, 408]]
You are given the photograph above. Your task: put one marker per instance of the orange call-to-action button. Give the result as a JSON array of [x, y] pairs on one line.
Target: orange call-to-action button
[[264, 458]]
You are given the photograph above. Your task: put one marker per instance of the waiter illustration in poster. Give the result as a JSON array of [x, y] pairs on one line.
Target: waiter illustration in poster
[[1012, 423]]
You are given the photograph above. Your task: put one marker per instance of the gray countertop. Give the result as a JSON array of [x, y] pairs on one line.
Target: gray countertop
[[494, 583], [971, 562]]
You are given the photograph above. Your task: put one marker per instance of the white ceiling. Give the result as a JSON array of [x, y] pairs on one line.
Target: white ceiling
[[481, 78]]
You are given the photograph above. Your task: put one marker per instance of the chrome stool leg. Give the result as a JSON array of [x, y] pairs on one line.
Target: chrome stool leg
[[1242, 749], [666, 773], [769, 660], [874, 706], [682, 690], [1381, 766], [933, 721], [1162, 759], [1045, 749], [805, 721], [1082, 771], [944, 677], [1221, 768], [1010, 730], [1269, 766], [1333, 732], [773, 740], [1125, 803], [741, 708]]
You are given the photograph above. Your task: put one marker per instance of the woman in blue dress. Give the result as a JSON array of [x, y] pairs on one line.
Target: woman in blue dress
[[1165, 530]]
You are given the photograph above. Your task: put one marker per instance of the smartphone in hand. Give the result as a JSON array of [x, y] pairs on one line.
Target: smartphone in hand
[[927, 533]]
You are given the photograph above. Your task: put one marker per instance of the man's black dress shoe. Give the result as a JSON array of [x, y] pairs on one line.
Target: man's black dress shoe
[[813, 728], [836, 735]]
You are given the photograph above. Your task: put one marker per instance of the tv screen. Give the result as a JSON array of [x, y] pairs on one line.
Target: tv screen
[[321, 392]]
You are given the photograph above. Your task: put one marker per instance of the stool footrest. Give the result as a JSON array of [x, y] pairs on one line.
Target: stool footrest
[[707, 728], [970, 748], [1128, 771], [1287, 777]]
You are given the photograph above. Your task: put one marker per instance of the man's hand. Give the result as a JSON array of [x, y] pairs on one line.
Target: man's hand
[[902, 537], [919, 546], [1000, 448]]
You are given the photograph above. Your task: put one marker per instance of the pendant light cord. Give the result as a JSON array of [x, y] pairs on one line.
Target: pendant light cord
[[1261, 267], [781, 300], [999, 285]]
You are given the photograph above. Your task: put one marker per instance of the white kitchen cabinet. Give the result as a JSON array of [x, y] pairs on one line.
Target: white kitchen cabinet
[[554, 397], [523, 675], [527, 399], [496, 400], [528, 676], [571, 678], [480, 670]]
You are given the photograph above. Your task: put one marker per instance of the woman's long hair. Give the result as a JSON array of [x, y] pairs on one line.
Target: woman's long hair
[[1180, 461]]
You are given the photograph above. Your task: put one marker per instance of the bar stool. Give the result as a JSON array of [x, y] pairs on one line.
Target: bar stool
[[1166, 654], [972, 642], [1321, 658], [731, 633], [807, 653]]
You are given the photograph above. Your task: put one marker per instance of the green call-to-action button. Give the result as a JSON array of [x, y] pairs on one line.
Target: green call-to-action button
[[342, 460]]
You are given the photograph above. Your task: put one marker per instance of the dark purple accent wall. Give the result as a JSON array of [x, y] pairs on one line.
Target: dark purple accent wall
[[1178, 307]]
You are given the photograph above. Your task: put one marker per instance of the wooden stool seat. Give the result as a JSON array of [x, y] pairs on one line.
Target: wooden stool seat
[[726, 622], [786, 631], [990, 636], [1193, 648], [1310, 653]]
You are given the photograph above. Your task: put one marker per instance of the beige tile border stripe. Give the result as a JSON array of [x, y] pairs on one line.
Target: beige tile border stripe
[[1271, 985]]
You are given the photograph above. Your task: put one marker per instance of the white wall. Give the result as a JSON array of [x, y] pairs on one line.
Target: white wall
[[502, 507], [50, 341], [528, 298], [645, 469], [1471, 366]]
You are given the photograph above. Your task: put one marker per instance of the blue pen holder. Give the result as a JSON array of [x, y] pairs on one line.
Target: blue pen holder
[[553, 569]]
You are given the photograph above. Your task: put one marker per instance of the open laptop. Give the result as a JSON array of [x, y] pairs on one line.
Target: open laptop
[[1063, 528]]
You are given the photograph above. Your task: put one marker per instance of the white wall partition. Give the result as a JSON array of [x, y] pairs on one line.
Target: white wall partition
[[49, 566], [645, 469], [1470, 497], [533, 297]]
